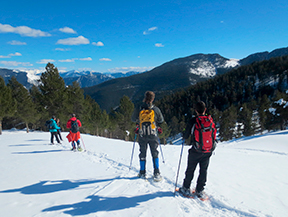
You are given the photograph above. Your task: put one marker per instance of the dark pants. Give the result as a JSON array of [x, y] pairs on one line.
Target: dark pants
[[195, 158], [59, 134], [153, 144], [56, 136]]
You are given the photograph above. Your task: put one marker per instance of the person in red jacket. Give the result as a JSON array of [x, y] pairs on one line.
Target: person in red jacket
[[74, 135]]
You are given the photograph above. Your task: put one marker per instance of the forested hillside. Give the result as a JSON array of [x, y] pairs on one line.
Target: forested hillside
[[243, 102]]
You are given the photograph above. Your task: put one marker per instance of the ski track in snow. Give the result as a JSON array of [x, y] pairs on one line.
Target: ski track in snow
[[213, 207], [121, 193]]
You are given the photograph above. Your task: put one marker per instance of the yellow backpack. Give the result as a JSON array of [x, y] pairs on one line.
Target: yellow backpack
[[147, 122]]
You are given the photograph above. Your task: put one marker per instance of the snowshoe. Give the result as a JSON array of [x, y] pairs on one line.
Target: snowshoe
[[186, 192], [142, 176], [201, 195], [157, 177]]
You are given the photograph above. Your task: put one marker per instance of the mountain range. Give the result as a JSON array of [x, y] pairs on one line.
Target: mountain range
[[108, 88], [170, 77], [84, 78]]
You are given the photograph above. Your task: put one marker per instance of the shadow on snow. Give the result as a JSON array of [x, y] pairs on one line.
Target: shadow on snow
[[46, 187], [97, 203]]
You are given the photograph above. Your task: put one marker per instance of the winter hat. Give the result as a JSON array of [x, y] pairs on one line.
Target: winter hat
[[53, 117]]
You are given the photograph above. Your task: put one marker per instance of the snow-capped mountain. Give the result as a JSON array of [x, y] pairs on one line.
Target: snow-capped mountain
[[88, 78], [85, 78]]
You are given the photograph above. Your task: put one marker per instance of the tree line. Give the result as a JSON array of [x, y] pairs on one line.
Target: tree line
[[243, 102], [21, 108]]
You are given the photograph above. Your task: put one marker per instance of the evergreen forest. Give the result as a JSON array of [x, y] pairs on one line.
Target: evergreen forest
[[245, 101]]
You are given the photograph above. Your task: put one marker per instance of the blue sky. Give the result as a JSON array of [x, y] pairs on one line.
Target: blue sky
[[110, 36]]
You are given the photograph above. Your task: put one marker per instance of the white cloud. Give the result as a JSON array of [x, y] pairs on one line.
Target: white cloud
[[11, 55], [86, 59], [146, 32], [16, 42], [73, 41], [105, 59], [62, 49], [99, 44], [159, 45], [129, 69], [45, 61], [67, 30], [14, 63], [15, 54], [23, 30], [73, 60], [68, 60]]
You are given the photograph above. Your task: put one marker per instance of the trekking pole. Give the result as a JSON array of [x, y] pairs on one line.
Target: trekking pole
[[83, 143], [179, 165], [161, 151], [133, 151]]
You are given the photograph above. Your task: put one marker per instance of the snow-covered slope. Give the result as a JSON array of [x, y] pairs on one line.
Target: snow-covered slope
[[246, 177], [208, 66]]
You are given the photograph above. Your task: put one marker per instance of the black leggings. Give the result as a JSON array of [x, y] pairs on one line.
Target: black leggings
[[56, 136], [195, 158]]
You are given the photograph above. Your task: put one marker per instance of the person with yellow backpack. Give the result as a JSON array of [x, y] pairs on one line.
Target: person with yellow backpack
[[148, 119]]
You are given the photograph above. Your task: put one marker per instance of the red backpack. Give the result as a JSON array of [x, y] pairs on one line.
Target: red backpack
[[205, 134]]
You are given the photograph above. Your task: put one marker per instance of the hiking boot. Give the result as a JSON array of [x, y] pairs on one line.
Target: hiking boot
[[157, 177], [185, 191], [201, 195], [142, 175]]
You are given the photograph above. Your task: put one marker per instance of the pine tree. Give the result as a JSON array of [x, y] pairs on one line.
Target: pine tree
[[41, 111], [7, 103], [91, 117], [166, 132], [227, 124], [264, 106], [75, 102], [123, 115], [53, 92], [245, 117], [26, 109]]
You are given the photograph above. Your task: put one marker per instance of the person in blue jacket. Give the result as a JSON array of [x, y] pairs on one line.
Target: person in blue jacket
[[53, 130]]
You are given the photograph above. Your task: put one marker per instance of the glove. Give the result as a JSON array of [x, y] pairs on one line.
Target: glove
[[137, 129], [160, 131]]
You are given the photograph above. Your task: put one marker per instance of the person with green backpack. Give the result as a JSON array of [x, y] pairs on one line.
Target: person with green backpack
[[148, 119]]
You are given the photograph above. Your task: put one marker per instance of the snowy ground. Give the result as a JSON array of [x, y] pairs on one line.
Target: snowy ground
[[246, 177]]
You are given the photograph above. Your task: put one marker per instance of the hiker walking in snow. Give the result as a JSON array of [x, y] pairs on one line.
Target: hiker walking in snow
[[203, 137], [74, 135], [59, 130], [53, 130], [148, 118]]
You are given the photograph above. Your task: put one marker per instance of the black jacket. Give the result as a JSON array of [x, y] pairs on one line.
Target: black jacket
[[189, 129]]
